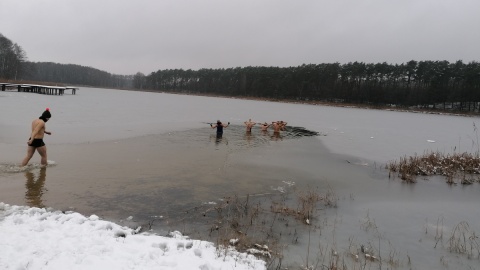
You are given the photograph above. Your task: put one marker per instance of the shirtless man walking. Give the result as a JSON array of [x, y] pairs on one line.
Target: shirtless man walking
[[35, 142]]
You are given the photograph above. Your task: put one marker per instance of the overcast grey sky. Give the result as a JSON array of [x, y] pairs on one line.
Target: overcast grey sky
[[125, 37]]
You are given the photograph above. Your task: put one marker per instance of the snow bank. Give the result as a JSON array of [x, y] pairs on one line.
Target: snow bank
[[37, 238]]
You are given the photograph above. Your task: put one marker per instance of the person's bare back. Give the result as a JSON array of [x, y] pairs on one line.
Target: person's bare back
[[38, 129]]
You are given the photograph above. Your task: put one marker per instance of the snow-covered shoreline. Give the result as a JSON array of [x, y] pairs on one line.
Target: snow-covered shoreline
[[39, 238]]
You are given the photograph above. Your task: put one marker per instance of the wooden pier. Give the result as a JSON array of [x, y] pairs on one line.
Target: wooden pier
[[39, 89]]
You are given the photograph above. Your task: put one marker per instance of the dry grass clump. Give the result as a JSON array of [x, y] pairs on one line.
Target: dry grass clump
[[464, 241], [306, 205], [254, 223], [453, 166]]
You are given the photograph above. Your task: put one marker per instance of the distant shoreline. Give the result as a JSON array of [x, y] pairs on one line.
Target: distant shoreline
[[291, 101], [324, 103]]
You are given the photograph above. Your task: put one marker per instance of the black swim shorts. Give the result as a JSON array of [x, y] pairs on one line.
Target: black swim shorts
[[37, 143]]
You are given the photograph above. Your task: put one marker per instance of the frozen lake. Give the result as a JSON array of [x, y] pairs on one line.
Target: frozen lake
[[123, 153]]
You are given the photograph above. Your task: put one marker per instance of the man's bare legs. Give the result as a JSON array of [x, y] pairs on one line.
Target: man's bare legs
[[31, 150], [43, 153]]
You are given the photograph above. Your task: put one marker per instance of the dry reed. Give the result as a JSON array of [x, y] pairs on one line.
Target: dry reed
[[464, 167]]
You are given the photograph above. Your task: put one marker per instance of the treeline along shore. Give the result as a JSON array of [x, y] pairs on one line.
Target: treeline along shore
[[424, 84], [433, 85], [15, 68]]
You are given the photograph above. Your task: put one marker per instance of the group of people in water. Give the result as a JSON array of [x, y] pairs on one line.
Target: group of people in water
[[276, 125]]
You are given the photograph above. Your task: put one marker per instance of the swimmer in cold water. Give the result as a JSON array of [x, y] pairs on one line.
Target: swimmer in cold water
[[249, 125], [219, 126], [265, 126]]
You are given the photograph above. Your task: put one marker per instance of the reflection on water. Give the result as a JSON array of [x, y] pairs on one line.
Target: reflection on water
[[35, 185], [218, 138], [277, 136], [9, 168]]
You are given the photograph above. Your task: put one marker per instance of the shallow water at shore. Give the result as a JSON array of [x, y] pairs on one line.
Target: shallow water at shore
[[168, 174], [164, 171], [174, 168]]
